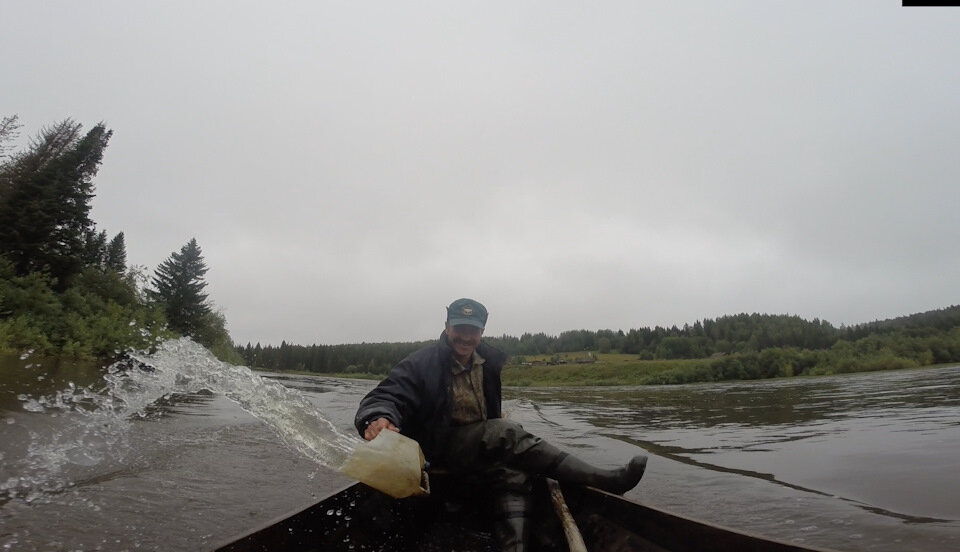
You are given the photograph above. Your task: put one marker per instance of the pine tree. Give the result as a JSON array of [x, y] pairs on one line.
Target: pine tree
[[178, 284], [9, 130], [116, 255], [94, 248], [45, 195]]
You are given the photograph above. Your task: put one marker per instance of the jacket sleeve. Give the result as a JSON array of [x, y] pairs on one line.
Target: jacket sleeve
[[395, 398]]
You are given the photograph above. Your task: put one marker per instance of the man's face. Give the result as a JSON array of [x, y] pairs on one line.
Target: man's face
[[464, 338]]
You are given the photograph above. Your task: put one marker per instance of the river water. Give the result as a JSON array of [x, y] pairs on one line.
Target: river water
[[189, 452]]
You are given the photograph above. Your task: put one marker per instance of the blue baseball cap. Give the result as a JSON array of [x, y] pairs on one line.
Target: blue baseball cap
[[467, 311]]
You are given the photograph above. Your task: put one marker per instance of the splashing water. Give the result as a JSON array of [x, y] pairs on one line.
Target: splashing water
[[100, 416]]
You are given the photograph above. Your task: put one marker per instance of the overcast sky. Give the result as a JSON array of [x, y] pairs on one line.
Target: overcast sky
[[349, 168]]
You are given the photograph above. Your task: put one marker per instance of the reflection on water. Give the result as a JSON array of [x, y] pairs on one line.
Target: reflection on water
[[773, 402], [39, 377], [307, 384], [884, 441]]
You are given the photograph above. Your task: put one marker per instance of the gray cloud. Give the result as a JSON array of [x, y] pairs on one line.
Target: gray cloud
[[350, 169]]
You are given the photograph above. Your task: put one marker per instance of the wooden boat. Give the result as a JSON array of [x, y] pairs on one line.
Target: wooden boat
[[358, 518]]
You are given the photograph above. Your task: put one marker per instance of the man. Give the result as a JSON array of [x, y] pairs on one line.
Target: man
[[447, 397]]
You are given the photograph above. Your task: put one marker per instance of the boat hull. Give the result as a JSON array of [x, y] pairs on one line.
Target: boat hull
[[357, 518]]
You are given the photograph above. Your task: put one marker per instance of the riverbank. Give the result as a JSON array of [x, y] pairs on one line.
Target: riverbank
[[598, 370], [609, 370]]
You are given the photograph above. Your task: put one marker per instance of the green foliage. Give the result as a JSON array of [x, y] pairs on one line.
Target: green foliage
[[604, 345], [178, 285], [914, 325], [64, 287], [115, 257], [373, 358], [609, 369], [178, 288], [9, 130], [98, 252], [676, 347], [212, 334], [741, 333], [45, 195], [97, 317], [730, 348]]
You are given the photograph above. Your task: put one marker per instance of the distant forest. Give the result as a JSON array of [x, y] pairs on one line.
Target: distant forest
[[742, 346]]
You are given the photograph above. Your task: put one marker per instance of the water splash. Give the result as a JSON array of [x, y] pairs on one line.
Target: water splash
[[182, 366], [96, 420]]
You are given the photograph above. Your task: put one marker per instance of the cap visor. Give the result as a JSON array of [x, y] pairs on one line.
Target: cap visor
[[465, 322]]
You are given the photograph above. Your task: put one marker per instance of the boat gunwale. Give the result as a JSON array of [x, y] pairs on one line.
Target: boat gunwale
[[603, 502], [598, 495]]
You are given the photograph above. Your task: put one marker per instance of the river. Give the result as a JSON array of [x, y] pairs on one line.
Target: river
[[191, 452]]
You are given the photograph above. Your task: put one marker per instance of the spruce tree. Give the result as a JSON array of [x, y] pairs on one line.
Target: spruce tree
[[178, 284], [94, 248], [116, 256], [9, 130], [45, 195]]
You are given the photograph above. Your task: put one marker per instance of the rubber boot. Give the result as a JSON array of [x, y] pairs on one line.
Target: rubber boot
[[571, 469], [508, 443], [511, 524]]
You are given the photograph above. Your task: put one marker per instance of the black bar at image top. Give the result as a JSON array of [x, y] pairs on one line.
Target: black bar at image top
[[928, 4]]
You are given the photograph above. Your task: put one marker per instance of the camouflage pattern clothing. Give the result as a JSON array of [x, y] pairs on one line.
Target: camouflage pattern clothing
[[468, 405]]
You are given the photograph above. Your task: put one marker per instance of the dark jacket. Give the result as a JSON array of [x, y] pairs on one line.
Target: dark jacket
[[416, 395]]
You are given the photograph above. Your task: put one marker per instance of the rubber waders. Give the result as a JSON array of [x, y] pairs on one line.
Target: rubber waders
[[511, 523]]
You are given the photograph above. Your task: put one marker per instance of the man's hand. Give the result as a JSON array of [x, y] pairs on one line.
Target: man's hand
[[376, 426]]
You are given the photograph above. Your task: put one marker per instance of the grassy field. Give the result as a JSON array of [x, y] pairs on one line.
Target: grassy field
[[598, 369], [606, 369]]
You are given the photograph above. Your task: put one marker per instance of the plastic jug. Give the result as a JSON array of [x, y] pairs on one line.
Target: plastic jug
[[391, 463]]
